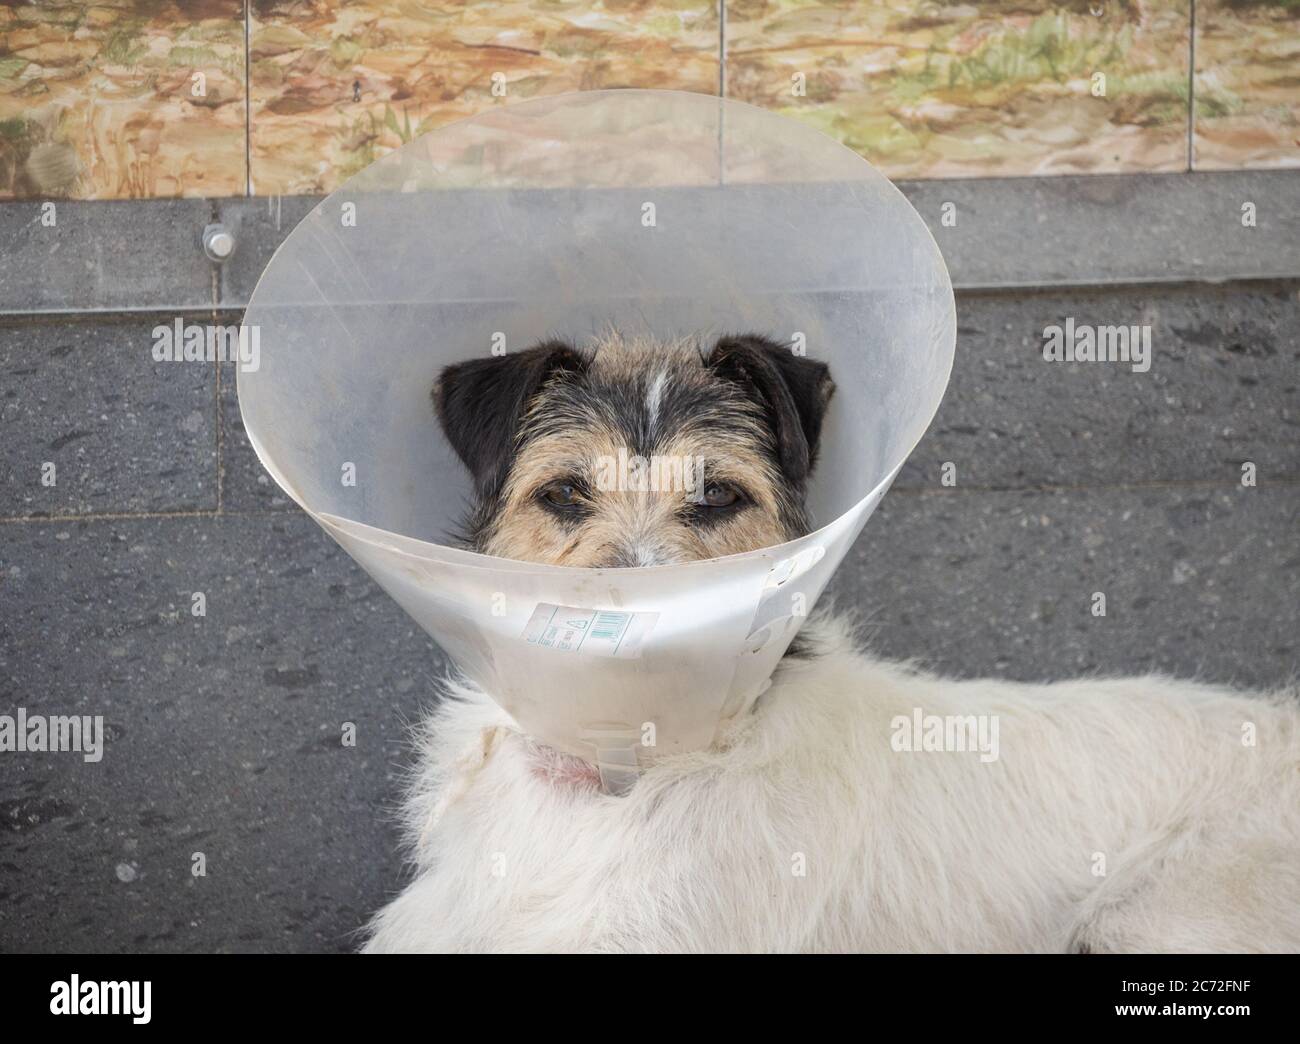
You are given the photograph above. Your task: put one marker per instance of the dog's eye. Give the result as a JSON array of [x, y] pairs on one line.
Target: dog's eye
[[717, 495], [713, 504], [561, 495]]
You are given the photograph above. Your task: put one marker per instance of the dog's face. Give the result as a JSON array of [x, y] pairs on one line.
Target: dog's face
[[635, 454]]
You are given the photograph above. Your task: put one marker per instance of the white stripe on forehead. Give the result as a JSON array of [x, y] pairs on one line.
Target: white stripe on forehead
[[654, 396]]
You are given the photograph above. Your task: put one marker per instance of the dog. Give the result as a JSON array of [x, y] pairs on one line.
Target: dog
[[1137, 814]]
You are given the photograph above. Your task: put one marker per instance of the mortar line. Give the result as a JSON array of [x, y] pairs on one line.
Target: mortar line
[[18, 320], [1134, 285], [1285, 482], [221, 476], [722, 48], [1191, 87], [106, 517], [248, 100]]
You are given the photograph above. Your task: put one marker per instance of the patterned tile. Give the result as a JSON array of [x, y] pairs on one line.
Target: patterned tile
[[1247, 84], [122, 99], [336, 85], [101, 100], [924, 88]]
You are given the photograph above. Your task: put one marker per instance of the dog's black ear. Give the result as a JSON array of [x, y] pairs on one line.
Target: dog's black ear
[[480, 403], [792, 389]]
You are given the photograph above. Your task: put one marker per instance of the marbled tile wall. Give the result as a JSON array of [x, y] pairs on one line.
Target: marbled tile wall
[[122, 99], [335, 84], [139, 98], [1247, 99]]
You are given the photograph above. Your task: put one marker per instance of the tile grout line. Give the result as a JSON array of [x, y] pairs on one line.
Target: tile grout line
[[248, 100], [721, 144], [722, 48], [221, 476], [218, 271], [112, 516], [1191, 87], [1284, 482], [126, 314], [1133, 285]]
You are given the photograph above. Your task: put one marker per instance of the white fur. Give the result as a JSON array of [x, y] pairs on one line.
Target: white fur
[[929, 851], [654, 397]]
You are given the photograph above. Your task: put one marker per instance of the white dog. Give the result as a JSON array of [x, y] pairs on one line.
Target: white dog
[[861, 805], [1137, 814]]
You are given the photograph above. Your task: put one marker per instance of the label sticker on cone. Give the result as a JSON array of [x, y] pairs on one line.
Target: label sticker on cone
[[599, 632]]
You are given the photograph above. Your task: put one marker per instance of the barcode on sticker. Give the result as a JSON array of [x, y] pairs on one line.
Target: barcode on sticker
[[597, 632], [610, 625]]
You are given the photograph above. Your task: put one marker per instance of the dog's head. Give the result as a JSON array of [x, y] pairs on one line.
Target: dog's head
[[635, 454]]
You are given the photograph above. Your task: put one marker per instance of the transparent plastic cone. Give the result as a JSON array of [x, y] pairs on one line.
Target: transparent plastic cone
[[657, 213]]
